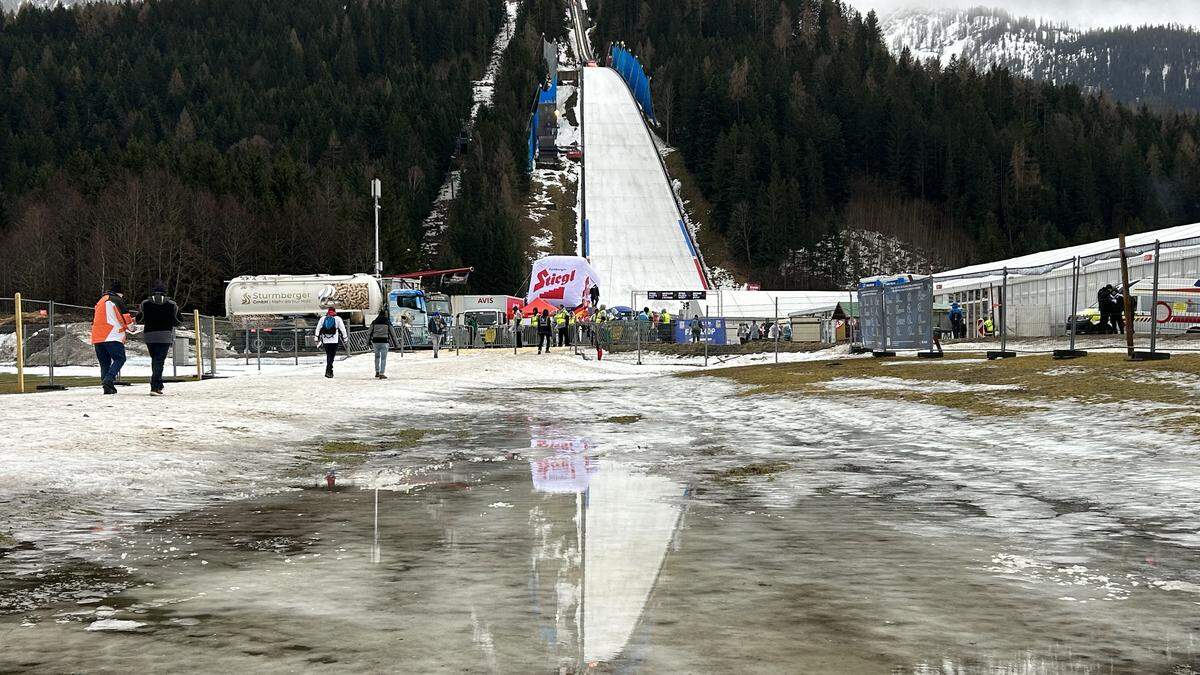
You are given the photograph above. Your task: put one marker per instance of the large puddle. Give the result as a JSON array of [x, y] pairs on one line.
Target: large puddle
[[618, 544]]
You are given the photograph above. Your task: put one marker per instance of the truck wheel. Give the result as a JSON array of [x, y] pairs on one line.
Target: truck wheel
[[286, 344]]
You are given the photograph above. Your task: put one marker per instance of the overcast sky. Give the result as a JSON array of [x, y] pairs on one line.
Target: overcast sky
[[1081, 13]]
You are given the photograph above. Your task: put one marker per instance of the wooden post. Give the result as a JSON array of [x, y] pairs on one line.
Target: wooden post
[[1128, 308], [20, 336], [199, 345]]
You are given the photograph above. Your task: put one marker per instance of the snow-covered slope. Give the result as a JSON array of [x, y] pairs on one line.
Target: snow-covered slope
[[1153, 64], [634, 234]]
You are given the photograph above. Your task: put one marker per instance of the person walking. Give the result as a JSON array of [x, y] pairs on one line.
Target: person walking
[[594, 294], [543, 330], [330, 333], [405, 332], [437, 331], [697, 328], [753, 331], [110, 325], [516, 326], [381, 341], [160, 318]]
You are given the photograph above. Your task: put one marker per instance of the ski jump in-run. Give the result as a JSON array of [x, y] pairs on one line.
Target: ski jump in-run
[[633, 232]]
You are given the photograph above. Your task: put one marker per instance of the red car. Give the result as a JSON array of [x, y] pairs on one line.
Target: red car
[[575, 154]]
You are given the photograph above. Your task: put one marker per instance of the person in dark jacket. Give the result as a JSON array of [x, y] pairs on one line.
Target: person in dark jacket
[[1117, 316], [437, 332], [1104, 304], [543, 330], [594, 294], [382, 340], [697, 328], [160, 318]]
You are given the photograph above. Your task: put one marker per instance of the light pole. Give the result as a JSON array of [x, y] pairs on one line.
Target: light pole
[[376, 191]]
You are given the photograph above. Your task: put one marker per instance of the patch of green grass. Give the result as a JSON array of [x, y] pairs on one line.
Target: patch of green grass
[[756, 469], [8, 382], [405, 438], [623, 419], [345, 447], [399, 438], [1097, 379]]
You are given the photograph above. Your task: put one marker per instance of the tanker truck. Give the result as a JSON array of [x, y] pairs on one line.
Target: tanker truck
[[279, 312]]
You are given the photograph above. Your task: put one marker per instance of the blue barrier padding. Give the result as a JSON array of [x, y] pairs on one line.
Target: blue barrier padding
[[631, 70], [686, 238], [548, 96]]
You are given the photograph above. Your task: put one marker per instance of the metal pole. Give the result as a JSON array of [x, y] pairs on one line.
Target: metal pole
[[376, 193], [1154, 301], [20, 334], [258, 347], [702, 329], [776, 327], [1004, 314], [457, 329], [199, 345], [295, 347], [849, 316], [883, 307], [212, 344], [1127, 310], [247, 333], [929, 333], [51, 347], [1074, 301]]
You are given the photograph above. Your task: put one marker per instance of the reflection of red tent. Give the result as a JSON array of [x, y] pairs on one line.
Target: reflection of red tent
[[537, 306]]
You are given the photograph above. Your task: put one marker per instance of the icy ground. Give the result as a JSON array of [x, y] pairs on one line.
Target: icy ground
[[719, 532]]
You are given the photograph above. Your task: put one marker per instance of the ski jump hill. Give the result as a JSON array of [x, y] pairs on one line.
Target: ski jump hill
[[633, 232]]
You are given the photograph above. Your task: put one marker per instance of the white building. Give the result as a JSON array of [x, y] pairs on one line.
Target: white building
[[1041, 292]]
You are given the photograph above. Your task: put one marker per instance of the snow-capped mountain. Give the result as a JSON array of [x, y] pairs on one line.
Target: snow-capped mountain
[[1157, 65]]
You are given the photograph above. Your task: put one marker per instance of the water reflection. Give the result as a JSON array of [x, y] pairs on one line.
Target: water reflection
[[624, 522]]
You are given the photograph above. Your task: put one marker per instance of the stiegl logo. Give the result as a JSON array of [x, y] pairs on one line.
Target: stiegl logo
[[546, 278]]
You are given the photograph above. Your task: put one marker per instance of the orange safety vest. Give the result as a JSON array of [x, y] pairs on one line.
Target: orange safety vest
[[108, 323]]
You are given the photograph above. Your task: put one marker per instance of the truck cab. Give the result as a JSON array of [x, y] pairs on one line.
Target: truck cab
[[412, 307]]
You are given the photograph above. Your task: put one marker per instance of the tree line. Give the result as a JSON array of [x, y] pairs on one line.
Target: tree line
[[792, 114], [483, 224], [197, 140]]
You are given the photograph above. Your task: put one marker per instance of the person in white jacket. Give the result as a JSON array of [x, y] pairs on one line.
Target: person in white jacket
[[330, 332]]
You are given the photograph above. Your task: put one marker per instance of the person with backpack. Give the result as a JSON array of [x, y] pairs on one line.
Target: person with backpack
[[437, 331], [543, 330], [160, 318], [111, 322], [697, 328], [382, 340], [330, 333]]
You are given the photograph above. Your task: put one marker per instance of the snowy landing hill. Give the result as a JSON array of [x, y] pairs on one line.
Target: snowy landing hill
[[1156, 65]]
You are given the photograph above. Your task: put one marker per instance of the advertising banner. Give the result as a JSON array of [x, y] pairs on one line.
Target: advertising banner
[[561, 280], [714, 331]]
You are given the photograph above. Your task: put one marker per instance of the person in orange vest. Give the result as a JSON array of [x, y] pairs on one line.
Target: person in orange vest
[[110, 325]]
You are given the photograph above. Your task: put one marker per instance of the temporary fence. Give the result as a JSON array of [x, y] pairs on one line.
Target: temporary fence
[[1069, 276], [48, 343], [631, 70]]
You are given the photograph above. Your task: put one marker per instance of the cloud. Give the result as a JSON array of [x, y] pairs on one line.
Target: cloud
[[1079, 13]]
